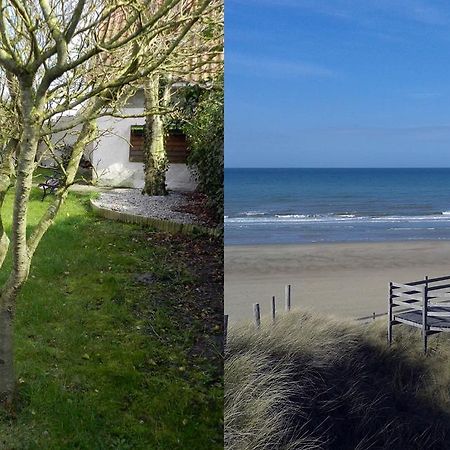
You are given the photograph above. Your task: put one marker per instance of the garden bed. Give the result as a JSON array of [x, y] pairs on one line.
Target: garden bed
[[166, 213]]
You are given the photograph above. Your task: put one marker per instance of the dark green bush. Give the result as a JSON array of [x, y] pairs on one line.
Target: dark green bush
[[205, 134]]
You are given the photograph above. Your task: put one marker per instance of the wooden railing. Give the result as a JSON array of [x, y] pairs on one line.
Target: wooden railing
[[421, 298], [419, 301]]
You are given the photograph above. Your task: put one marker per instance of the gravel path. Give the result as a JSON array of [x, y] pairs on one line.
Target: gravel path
[[131, 201]]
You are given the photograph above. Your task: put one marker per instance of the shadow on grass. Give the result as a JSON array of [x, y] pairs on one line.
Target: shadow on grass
[[313, 383]]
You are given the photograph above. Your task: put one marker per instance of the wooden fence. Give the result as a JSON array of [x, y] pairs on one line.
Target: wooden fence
[[257, 310], [273, 307], [422, 305], [287, 308]]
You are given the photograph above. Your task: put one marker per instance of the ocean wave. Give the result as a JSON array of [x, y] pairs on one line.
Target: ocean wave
[[410, 228], [334, 218], [253, 213], [291, 216]]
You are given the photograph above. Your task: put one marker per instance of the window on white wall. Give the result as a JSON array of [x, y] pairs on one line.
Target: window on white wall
[[137, 143], [176, 145]]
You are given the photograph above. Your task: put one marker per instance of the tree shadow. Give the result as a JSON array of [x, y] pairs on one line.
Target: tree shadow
[[368, 399]]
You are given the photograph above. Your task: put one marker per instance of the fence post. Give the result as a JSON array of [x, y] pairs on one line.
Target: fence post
[[424, 315], [273, 309], [257, 315], [225, 330], [287, 297], [390, 314]]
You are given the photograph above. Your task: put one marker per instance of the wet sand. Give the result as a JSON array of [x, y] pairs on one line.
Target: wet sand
[[347, 280]]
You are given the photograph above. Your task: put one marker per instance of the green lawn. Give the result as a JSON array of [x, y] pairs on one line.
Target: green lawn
[[105, 360]]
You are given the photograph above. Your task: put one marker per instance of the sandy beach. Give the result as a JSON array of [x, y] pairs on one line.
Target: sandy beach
[[346, 280]]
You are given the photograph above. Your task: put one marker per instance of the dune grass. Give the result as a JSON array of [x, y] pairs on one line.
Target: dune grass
[[312, 382], [103, 360]]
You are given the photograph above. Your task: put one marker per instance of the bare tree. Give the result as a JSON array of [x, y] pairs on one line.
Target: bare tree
[[197, 60], [57, 57]]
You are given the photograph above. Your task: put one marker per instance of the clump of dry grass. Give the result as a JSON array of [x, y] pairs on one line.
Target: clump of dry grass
[[311, 382]]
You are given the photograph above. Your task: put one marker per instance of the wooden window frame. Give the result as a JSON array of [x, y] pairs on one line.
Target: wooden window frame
[[136, 149], [175, 141]]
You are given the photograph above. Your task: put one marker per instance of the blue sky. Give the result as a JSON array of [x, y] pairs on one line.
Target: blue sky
[[337, 83]]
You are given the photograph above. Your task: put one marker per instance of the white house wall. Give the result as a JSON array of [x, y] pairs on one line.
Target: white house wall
[[63, 138], [110, 157]]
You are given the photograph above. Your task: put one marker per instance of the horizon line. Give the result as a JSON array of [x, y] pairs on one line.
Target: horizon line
[[347, 168]]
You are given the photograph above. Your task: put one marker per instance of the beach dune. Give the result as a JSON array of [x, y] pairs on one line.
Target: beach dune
[[348, 280]]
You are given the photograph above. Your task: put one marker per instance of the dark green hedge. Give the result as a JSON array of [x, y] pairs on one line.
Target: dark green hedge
[[205, 133]]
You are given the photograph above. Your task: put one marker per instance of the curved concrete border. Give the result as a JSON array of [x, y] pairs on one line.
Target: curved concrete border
[[160, 224]]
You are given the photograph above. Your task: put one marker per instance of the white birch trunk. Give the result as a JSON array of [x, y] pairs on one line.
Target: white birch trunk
[[155, 159]]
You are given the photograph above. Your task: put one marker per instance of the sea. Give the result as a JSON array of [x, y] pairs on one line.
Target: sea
[[301, 206]]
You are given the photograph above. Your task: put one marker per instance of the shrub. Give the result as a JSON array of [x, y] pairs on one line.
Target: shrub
[[205, 134]]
